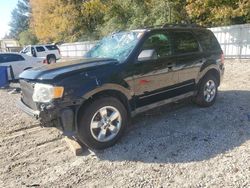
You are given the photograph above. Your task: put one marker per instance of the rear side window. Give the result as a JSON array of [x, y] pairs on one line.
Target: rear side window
[[10, 58], [40, 49], [184, 42], [52, 47], [207, 40]]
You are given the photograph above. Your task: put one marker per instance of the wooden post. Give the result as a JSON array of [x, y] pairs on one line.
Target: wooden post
[[74, 146]]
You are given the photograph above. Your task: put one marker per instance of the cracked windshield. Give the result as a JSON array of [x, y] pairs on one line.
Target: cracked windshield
[[116, 46]]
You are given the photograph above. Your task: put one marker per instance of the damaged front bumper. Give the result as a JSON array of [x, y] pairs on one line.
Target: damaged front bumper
[[27, 110], [63, 118]]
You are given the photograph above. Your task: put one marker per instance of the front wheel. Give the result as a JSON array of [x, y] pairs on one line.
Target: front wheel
[[102, 123], [207, 91]]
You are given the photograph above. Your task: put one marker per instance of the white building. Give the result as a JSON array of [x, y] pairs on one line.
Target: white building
[[9, 45]]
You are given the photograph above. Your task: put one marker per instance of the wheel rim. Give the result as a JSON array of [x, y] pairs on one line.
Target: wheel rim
[[105, 124], [210, 91]]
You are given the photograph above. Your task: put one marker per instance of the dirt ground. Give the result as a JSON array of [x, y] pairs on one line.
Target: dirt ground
[[179, 145]]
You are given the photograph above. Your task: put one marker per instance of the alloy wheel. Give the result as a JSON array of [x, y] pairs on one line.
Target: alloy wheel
[[210, 91], [105, 124]]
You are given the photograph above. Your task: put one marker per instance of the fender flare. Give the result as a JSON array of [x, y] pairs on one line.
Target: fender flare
[[104, 87], [205, 71]]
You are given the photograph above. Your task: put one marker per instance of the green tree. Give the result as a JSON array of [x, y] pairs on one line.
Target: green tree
[[19, 18], [116, 17], [27, 37], [92, 12], [65, 20], [76, 20], [128, 14], [168, 11], [219, 12], [54, 20]]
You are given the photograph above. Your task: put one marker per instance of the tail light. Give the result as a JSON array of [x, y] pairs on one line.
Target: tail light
[[59, 51], [222, 58]]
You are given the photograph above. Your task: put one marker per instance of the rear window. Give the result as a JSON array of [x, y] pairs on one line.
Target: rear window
[[40, 49], [52, 47], [207, 40], [184, 42]]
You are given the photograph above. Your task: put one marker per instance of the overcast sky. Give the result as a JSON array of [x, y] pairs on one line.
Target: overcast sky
[[6, 6]]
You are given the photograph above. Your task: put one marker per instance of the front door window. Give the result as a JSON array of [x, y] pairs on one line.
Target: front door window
[[160, 43]]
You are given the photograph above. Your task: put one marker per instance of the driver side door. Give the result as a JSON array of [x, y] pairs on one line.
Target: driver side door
[[154, 76]]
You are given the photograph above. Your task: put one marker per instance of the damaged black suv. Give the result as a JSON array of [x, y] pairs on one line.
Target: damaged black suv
[[126, 73]]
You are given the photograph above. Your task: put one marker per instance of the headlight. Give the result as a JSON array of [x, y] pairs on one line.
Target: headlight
[[45, 93]]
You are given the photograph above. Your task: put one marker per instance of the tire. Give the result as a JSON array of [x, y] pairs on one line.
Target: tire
[[207, 87], [97, 128], [51, 59]]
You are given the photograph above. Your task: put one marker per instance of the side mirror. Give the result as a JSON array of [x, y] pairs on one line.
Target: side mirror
[[147, 55]]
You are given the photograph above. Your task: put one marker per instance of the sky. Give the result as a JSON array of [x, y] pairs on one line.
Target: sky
[[6, 6]]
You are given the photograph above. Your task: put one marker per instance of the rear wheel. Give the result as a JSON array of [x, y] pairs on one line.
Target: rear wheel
[[207, 91], [102, 123], [51, 59]]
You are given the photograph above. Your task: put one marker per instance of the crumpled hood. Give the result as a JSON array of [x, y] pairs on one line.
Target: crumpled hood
[[52, 71]]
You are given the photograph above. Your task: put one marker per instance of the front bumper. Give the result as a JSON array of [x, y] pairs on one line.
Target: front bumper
[[62, 118], [28, 110]]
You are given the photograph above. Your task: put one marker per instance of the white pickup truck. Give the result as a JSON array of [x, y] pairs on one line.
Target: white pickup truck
[[50, 52]]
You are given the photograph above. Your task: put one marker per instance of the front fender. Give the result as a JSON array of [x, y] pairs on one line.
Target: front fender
[[108, 86]]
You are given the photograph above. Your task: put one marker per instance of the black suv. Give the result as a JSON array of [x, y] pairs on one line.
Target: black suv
[[126, 73]]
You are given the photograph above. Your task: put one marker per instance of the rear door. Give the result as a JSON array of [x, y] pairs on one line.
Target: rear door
[[53, 49], [188, 58], [40, 51]]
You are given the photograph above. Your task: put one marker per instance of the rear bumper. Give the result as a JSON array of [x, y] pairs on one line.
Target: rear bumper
[[222, 70], [62, 118]]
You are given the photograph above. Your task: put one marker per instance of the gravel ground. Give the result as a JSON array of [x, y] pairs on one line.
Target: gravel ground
[[178, 145]]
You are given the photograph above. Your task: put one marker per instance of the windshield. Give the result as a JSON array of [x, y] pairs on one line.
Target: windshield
[[116, 46]]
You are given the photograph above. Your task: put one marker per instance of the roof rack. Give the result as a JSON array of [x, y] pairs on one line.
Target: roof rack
[[151, 27], [167, 25], [181, 25]]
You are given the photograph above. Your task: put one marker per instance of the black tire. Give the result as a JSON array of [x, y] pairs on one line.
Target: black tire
[[51, 59], [200, 98], [86, 115]]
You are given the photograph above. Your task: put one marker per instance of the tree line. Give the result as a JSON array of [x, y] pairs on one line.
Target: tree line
[[47, 21]]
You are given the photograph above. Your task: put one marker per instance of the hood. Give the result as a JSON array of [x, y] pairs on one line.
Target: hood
[[50, 72]]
